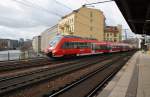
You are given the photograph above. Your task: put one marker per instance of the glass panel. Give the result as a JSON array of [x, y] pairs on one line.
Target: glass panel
[[54, 41]]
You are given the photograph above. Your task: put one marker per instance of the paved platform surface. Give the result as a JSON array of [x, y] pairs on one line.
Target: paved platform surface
[[133, 80]]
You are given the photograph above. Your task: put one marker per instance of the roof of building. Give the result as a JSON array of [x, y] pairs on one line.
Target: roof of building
[[112, 29], [50, 29], [72, 36], [75, 11]]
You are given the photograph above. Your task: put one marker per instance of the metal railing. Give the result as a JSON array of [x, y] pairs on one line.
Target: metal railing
[[18, 55]]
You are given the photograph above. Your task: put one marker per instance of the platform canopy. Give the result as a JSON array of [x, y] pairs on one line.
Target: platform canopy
[[137, 14]]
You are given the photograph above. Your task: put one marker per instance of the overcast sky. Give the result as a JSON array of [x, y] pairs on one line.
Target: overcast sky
[[28, 18]]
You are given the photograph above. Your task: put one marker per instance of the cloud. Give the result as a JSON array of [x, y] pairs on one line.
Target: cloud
[[27, 18], [27, 33]]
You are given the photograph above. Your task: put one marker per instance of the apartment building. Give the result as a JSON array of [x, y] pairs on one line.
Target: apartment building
[[83, 22], [113, 33]]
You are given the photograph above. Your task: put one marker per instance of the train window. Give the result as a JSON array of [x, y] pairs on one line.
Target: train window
[[109, 47], [86, 45], [103, 47], [65, 45], [70, 45], [81, 45], [75, 45], [54, 41]]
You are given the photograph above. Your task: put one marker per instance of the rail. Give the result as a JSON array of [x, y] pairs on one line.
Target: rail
[[16, 82], [106, 72]]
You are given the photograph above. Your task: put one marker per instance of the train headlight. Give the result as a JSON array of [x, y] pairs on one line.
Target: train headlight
[[50, 48]]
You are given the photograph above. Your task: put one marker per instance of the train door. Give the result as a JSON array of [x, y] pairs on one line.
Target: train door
[[93, 46]]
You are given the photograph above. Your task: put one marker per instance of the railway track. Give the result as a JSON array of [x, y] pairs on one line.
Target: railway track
[[43, 68], [12, 65], [91, 83], [9, 84], [23, 64], [22, 60]]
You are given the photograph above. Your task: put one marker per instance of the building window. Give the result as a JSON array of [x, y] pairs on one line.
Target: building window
[[107, 34], [110, 39], [91, 28], [91, 20], [115, 35], [69, 29], [91, 14], [72, 28]]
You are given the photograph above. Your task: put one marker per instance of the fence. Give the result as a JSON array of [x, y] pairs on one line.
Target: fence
[[11, 55]]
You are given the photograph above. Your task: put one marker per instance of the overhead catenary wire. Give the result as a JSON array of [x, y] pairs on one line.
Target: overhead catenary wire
[[70, 8], [87, 1], [100, 2], [33, 5], [36, 6], [63, 5]]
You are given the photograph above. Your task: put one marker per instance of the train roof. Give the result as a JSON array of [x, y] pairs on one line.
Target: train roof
[[70, 36], [92, 40]]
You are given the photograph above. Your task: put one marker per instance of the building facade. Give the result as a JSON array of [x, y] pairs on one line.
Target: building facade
[[83, 22], [48, 35], [8, 44], [135, 42], [113, 33], [36, 44]]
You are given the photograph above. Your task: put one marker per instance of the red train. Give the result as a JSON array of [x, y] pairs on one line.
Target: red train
[[62, 46]]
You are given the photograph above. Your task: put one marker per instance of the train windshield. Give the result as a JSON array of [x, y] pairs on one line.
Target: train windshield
[[54, 41]]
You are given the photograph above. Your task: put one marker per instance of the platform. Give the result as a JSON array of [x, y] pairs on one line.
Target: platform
[[133, 80]]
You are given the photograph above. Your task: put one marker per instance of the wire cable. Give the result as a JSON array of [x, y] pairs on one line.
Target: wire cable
[[31, 5]]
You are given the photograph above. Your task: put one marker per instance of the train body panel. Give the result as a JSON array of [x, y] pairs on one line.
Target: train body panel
[[69, 45]]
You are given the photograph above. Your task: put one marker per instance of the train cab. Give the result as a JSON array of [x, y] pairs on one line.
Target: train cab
[[52, 46]]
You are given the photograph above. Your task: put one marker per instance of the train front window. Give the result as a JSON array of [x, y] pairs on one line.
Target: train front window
[[54, 41]]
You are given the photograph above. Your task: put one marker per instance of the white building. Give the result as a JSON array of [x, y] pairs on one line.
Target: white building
[[48, 35], [36, 43]]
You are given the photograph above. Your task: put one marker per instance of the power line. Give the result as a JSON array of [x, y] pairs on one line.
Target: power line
[[63, 5], [87, 1], [86, 17], [44, 9], [100, 2], [31, 5]]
